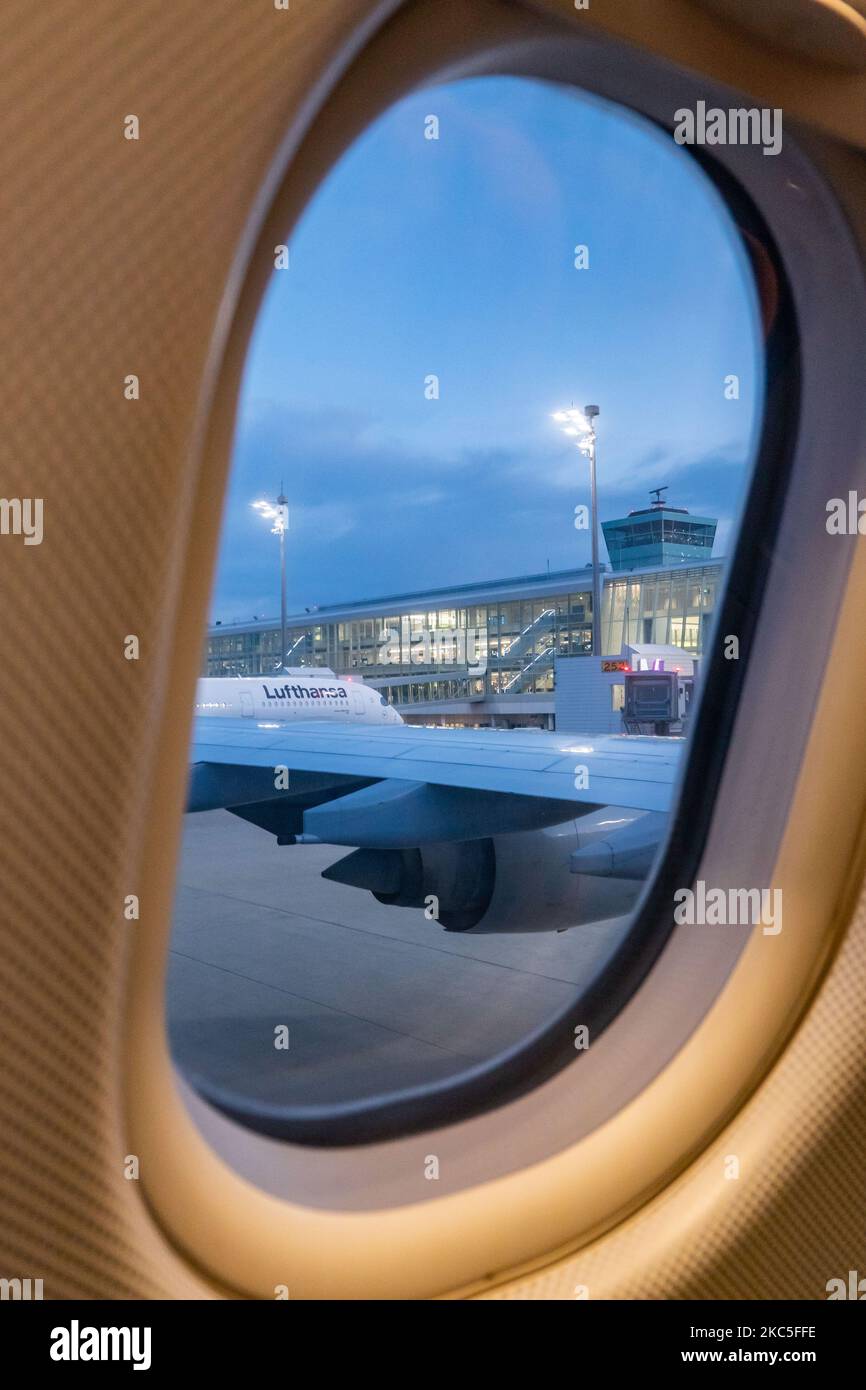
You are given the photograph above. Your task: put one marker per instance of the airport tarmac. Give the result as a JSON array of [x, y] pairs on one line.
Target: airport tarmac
[[374, 997]]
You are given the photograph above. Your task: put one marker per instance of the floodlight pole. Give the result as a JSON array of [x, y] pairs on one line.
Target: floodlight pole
[[282, 503], [591, 412], [279, 515]]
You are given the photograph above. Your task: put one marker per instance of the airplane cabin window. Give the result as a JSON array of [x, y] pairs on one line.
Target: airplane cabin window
[[498, 415]]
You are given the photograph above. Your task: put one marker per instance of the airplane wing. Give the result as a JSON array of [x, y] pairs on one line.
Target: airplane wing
[[403, 785]]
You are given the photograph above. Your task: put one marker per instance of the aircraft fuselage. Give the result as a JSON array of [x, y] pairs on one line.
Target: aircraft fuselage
[[290, 696]]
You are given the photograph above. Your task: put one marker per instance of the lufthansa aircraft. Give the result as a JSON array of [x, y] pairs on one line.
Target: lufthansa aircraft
[[427, 809], [292, 695]]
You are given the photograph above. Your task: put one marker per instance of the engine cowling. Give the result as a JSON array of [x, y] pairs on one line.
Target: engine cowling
[[521, 882]]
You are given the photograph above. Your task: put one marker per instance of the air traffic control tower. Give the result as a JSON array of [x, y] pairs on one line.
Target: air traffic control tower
[[658, 535]]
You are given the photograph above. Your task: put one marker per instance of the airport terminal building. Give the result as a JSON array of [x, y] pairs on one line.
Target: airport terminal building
[[486, 653]]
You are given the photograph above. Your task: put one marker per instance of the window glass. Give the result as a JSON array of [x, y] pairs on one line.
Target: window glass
[[487, 260]]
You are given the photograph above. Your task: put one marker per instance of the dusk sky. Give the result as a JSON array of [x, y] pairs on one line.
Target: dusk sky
[[456, 257]]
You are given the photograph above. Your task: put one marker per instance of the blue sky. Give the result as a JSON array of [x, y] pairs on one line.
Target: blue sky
[[456, 257]]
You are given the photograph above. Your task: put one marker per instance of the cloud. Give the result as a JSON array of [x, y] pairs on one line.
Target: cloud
[[331, 519], [369, 517]]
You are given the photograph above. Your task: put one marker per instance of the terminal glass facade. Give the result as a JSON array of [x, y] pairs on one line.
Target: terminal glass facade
[[508, 646], [672, 607], [500, 647]]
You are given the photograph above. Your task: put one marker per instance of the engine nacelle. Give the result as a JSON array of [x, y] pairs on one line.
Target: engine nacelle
[[521, 882], [535, 889], [454, 880]]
